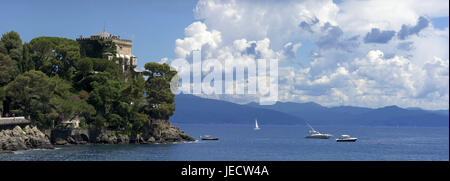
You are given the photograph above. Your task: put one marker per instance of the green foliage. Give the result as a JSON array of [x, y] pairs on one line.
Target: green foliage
[[118, 103], [85, 67], [27, 63], [105, 93], [11, 46], [94, 69], [159, 96], [7, 69], [11, 41], [3, 48], [30, 94], [55, 79], [55, 56], [2, 98], [96, 48], [45, 99], [131, 107], [103, 65], [71, 107]]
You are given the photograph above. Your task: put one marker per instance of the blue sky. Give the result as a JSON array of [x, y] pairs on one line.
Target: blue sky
[[441, 22], [366, 53]]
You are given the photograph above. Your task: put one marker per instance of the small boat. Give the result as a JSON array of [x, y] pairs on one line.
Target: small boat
[[208, 137], [256, 126], [346, 138], [315, 134]]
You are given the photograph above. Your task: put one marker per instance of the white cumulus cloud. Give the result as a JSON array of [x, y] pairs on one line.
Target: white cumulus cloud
[[409, 70]]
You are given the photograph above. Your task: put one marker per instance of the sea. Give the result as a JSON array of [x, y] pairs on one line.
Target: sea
[[271, 143]]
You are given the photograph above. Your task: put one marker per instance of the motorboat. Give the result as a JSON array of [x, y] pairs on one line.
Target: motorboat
[[316, 134], [346, 138], [208, 137]]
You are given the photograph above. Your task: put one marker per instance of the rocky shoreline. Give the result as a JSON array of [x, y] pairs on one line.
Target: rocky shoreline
[[23, 139], [156, 132]]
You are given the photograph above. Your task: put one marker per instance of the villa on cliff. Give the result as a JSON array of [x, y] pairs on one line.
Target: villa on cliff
[[123, 49], [122, 56]]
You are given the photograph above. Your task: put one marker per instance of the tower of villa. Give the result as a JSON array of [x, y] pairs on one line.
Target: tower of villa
[[123, 49]]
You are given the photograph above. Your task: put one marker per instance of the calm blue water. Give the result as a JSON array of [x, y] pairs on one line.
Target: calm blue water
[[240, 142]]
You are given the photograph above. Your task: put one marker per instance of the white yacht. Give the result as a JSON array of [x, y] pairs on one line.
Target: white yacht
[[256, 125], [346, 138], [315, 134]]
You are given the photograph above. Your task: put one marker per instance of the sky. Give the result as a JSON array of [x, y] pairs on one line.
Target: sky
[[152, 25], [370, 53]]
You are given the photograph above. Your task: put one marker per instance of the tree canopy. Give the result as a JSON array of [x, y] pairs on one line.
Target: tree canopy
[[45, 99], [55, 56], [7, 69], [159, 96]]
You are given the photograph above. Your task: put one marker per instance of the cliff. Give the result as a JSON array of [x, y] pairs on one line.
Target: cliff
[[162, 131]]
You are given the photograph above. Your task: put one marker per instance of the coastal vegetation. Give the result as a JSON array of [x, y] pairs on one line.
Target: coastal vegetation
[[53, 79]]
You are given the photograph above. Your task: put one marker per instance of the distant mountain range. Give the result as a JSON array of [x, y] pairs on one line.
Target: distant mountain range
[[194, 109]]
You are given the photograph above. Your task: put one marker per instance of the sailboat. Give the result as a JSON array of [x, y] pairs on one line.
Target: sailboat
[[256, 125], [315, 134]]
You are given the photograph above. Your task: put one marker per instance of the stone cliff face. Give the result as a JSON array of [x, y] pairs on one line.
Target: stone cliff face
[[163, 131], [23, 139], [156, 131]]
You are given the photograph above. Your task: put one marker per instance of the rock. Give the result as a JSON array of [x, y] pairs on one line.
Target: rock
[[107, 137], [112, 139], [137, 139], [123, 139], [17, 131], [164, 132], [7, 132], [23, 139], [28, 130], [37, 133], [71, 140], [72, 136], [151, 140], [14, 144], [141, 139], [104, 138], [60, 141]]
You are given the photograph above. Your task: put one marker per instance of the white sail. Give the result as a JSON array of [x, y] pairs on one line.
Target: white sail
[[256, 125]]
